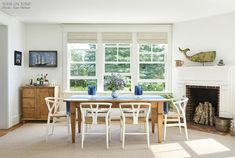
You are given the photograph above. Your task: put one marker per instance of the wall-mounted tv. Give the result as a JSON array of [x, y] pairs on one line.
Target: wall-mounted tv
[[38, 58]]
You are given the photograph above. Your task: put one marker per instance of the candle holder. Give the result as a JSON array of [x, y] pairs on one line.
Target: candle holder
[[91, 90], [138, 91]]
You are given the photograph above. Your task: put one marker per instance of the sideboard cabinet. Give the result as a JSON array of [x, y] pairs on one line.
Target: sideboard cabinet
[[33, 101]]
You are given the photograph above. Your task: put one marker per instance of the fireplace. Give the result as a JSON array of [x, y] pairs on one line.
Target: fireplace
[[201, 94]]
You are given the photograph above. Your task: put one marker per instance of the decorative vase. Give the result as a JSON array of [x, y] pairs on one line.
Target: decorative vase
[[114, 93]]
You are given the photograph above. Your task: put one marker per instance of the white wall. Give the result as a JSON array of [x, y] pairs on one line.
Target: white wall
[[212, 33], [44, 37], [15, 41], [3, 77]]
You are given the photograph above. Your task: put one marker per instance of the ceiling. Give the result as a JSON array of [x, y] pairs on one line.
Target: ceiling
[[117, 11]]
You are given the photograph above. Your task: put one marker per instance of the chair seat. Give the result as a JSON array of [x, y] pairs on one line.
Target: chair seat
[[98, 111], [131, 111], [129, 120], [173, 114], [59, 114], [100, 120]]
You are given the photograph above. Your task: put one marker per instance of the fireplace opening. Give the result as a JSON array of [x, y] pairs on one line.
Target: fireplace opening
[[203, 104]]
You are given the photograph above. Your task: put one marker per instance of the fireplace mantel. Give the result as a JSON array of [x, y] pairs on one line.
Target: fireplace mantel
[[220, 76]]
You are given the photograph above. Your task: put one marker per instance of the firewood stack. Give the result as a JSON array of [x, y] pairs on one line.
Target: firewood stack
[[204, 114]]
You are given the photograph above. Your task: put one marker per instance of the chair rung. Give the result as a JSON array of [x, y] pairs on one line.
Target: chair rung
[[136, 133], [94, 133], [174, 125]]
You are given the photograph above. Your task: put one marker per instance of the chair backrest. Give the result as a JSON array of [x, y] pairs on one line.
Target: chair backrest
[[134, 110], [95, 109], [53, 104], [180, 105]]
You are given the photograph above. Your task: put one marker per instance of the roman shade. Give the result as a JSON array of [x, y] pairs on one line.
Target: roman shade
[[82, 37], [152, 37], [117, 37]]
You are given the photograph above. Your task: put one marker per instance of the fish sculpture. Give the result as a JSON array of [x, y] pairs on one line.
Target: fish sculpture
[[200, 57]]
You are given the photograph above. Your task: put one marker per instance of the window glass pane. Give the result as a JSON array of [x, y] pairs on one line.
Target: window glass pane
[[81, 85], [145, 57], [76, 55], [158, 57], [145, 48], [111, 54], [159, 47], [124, 54], [151, 71], [153, 86], [127, 80], [89, 56], [117, 68], [82, 69]]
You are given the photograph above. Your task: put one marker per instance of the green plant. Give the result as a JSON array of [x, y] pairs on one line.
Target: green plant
[[170, 103], [115, 82]]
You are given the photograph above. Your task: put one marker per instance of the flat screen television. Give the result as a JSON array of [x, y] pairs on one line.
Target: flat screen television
[[38, 58]]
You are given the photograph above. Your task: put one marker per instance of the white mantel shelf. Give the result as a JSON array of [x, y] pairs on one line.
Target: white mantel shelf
[[221, 76], [206, 74]]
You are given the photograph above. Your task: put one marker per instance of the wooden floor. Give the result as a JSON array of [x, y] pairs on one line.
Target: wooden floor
[[5, 131]]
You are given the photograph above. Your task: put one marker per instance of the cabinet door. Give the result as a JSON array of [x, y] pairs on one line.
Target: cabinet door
[[28, 93], [41, 106]]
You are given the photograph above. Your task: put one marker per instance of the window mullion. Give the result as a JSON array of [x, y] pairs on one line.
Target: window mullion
[[134, 61], [100, 63]]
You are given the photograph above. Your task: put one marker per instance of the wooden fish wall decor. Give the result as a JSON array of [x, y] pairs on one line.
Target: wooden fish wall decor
[[200, 57]]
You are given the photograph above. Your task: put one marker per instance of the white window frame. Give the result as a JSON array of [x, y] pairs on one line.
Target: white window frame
[[153, 62], [117, 62], [100, 55], [81, 62]]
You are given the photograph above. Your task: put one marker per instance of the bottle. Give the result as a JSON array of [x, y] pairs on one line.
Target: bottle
[[38, 79], [46, 81], [41, 80]]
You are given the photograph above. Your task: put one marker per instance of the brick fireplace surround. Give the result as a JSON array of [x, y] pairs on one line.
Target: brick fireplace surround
[[201, 94]]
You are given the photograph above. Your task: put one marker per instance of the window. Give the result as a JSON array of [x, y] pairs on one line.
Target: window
[[152, 52], [152, 66], [140, 57], [82, 66], [117, 60]]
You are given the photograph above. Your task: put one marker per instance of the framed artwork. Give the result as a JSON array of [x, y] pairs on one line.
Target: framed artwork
[[18, 58], [38, 58]]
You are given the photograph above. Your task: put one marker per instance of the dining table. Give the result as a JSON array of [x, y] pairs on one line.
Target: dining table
[[157, 102]]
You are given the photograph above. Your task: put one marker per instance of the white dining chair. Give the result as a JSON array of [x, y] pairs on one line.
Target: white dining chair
[[177, 117], [95, 114], [132, 114], [56, 113]]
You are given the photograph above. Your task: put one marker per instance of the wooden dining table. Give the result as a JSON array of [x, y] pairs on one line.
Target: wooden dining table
[[156, 101]]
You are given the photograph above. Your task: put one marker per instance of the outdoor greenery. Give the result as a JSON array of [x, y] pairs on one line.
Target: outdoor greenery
[[153, 86], [145, 57], [82, 69], [152, 71], [117, 68], [81, 84], [111, 54]]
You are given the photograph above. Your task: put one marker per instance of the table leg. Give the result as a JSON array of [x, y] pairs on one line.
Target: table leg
[[153, 118], [79, 120], [160, 121], [73, 119]]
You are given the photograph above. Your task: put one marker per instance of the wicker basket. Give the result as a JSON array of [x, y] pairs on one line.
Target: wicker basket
[[222, 124], [232, 128]]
